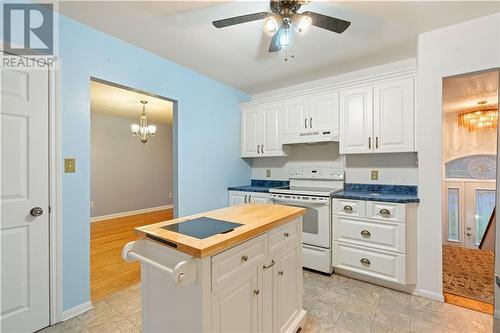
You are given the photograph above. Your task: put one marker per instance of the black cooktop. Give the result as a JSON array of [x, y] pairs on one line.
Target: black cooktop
[[202, 227]]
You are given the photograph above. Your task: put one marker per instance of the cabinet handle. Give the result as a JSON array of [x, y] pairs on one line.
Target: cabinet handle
[[268, 266], [348, 209], [365, 261], [281, 273], [244, 258], [385, 212], [310, 122], [258, 151], [286, 234], [305, 122], [262, 149], [376, 142], [245, 198], [256, 292], [369, 143], [249, 198], [365, 233]]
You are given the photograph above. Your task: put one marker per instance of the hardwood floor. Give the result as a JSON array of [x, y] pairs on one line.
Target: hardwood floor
[[109, 273], [468, 303]]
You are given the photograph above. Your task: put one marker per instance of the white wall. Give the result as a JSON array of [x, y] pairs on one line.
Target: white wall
[[462, 48]]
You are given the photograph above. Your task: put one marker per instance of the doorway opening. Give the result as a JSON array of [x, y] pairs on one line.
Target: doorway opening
[[132, 177], [469, 155]]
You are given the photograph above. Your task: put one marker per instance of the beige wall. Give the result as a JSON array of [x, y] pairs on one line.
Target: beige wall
[[127, 175], [458, 141]]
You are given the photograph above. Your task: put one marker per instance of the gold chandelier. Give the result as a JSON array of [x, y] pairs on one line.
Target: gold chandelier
[[481, 118]]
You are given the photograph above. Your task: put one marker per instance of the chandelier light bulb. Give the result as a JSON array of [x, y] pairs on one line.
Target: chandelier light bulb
[[303, 25], [152, 129], [135, 128], [285, 36], [270, 26]]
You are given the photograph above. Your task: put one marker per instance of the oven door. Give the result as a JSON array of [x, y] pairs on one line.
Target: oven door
[[316, 226]]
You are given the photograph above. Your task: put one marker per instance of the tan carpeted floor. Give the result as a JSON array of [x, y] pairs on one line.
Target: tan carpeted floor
[[469, 273]]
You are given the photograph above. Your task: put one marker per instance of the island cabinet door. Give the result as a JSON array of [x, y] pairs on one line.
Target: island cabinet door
[[234, 307], [288, 287]]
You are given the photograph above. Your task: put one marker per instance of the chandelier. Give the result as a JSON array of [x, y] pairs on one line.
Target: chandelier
[[481, 118], [143, 131]]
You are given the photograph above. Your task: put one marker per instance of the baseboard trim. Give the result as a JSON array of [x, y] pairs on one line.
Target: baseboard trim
[[132, 212], [76, 310], [430, 294]]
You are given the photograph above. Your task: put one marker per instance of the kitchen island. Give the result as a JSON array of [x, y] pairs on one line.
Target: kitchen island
[[236, 269]]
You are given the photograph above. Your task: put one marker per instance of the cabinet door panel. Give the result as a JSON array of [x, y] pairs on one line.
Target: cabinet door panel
[[288, 279], [323, 109], [356, 120], [237, 198], [271, 140], [250, 124], [394, 116], [259, 197], [295, 112], [234, 308]]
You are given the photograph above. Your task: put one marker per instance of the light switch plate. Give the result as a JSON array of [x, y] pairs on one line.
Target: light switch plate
[[268, 173], [69, 165], [374, 174]]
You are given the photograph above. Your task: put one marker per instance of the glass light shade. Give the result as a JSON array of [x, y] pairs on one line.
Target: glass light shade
[[134, 128], [303, 25], [270, 26], [285, 36], [152, 129]]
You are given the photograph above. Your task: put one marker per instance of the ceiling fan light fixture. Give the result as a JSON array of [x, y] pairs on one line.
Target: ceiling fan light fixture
[[271, 26], [285, 36], [303, 24]]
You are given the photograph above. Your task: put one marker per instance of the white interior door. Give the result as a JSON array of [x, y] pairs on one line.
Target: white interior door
[[479, 204], [24, 186]]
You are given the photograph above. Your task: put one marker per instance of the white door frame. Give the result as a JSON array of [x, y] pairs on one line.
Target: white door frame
[[55, 195]]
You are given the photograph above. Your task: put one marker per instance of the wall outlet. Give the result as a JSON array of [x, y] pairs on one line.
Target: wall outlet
[[91, 205], [69, 165], [170, 195], [374, 174], [268, 173]]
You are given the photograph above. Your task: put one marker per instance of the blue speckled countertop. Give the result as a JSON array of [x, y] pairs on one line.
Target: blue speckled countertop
[[384, 193], [260, 185]]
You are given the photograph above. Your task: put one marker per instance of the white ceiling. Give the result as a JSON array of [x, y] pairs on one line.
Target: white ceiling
[[181, 31], [461, 93], [115, 101]]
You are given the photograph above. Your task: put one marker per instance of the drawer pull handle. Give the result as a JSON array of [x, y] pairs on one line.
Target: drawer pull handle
[[244, 258], [365, 261], [256, 291], [280, 273], [385, 212], [269, 266], [348, 209], [365, 233], [286, 234]]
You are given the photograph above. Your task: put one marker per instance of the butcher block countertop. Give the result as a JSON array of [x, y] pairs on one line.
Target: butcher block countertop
[[256, 219]]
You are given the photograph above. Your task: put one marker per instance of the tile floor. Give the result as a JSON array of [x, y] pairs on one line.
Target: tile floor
[[334, 304]]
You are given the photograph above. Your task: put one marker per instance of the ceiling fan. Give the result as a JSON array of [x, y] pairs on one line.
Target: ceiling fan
[[284, 19]]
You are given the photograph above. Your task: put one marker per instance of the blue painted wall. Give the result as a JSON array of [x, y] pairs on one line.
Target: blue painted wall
[[207, 134]]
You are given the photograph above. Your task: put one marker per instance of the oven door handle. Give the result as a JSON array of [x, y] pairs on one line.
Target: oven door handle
[[298, 201]]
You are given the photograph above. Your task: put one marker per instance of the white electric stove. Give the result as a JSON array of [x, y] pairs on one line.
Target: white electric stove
[[312, 188]]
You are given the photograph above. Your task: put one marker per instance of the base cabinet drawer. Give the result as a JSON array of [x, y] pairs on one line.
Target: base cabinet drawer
[[388, 236], [227, 265], [386, 211], [283, 236], [354, 208], [378, 264]]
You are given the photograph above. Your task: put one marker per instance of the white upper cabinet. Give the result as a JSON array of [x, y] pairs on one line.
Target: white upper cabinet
[[378, 118], [295, 116], [311, 118], [356, 120], [261, 131], [393, 116]]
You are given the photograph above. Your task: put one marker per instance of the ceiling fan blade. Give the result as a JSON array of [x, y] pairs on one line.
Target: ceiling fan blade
[[241, 19], [328, 22], [274, 47]]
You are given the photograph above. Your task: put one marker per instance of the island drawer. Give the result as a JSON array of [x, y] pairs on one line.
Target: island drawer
[[377, 264], [386, 211], [348, 207], [282, 236], [389, 236], [239, 258]]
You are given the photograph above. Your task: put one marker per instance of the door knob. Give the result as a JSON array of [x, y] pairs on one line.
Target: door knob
[[469, 234], [36, 211]]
